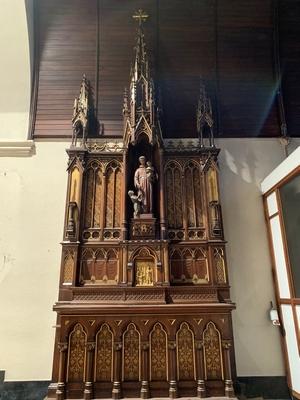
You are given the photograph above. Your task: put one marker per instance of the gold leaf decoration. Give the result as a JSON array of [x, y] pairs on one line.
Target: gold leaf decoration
[[77, 354], [158, 353], [131, 354], [185, 353], [104, 354], [212, 352]]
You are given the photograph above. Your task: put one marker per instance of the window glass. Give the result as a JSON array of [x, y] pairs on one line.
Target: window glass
[[290, 199]]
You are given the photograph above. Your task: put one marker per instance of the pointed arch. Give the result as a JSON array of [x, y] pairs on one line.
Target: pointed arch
[[174, 194], [104, 354], [185, 353], [76, 354], [94, 188], [213, 363], [193, 194], [113, 195], [131, 353], [158, 353]]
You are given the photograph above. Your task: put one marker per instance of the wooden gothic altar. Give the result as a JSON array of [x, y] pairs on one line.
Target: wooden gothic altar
[[144, 307]]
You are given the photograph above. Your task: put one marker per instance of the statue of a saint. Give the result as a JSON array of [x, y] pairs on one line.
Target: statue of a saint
[[144, 178]]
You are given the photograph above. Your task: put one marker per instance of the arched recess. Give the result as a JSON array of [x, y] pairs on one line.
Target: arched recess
[[94, 188], [174, 195], [144, 272], [76, 354], [193, 195], [131, 359], [113, 195], [213, 363], [158, 354], [185, 353], [104, 354]]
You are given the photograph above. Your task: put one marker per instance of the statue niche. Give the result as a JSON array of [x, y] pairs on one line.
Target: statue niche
[[144, 179]]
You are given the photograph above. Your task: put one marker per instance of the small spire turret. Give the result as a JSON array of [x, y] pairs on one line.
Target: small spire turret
[[204, 116]]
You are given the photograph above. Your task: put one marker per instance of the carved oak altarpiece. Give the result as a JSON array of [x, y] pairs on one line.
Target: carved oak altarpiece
[[144, 307]]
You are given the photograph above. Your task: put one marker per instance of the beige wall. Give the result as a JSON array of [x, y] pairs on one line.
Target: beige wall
[[31, 217], [14, 71]]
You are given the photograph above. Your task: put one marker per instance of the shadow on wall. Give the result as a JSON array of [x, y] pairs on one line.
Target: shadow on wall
[[244, 163]]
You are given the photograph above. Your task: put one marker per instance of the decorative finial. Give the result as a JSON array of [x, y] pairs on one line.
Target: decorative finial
[[140, 16], [204, 116]]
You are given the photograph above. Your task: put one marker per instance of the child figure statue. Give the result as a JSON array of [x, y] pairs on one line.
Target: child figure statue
[[136, 200]]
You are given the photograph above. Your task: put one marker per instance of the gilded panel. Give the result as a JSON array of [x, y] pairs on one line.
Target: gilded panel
[[104, 354], [131, 354], [158, 354], [185, 353], [77, 354], [212, 353]]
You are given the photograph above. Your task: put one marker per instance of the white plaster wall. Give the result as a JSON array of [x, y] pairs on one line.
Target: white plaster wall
[[244, 163], [14, 70], [32, 202], [33, 193]]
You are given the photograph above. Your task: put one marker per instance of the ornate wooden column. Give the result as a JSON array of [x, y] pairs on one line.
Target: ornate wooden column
[[124, 194], [229, 391], [145, 371], [103, 197], [116, 390], [172, 369], [162, 195], [88, 386], [201, 389], [60, 392]]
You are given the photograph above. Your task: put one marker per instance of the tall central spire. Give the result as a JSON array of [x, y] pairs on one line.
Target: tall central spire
[[141, 65], [140, 115]]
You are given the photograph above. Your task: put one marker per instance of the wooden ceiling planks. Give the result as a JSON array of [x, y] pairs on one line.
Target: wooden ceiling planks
[[67, 49], [289, 34], [229, 44]]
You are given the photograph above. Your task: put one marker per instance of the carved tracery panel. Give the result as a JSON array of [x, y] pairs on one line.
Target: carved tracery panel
[[104, 354], [94, 190], [131, 354], [214, 208], [113, 195], [185, 353], [219, 262], [174, 195], [77, 354], [69, 264], [213, 362], [189, 265], [99, 266], [158, 354], [193, 195]]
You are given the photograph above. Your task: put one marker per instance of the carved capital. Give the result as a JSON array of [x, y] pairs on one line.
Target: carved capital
[[172, 344], [117, 346], [90, 346], [145, 346], [62, 346], [226, 344], [199, 344]]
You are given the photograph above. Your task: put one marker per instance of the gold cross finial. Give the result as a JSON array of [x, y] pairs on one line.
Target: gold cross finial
[[141, 16]]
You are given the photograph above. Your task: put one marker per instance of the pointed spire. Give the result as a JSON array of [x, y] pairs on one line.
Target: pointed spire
[[139, 108], [204, 116], [80, 117]]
